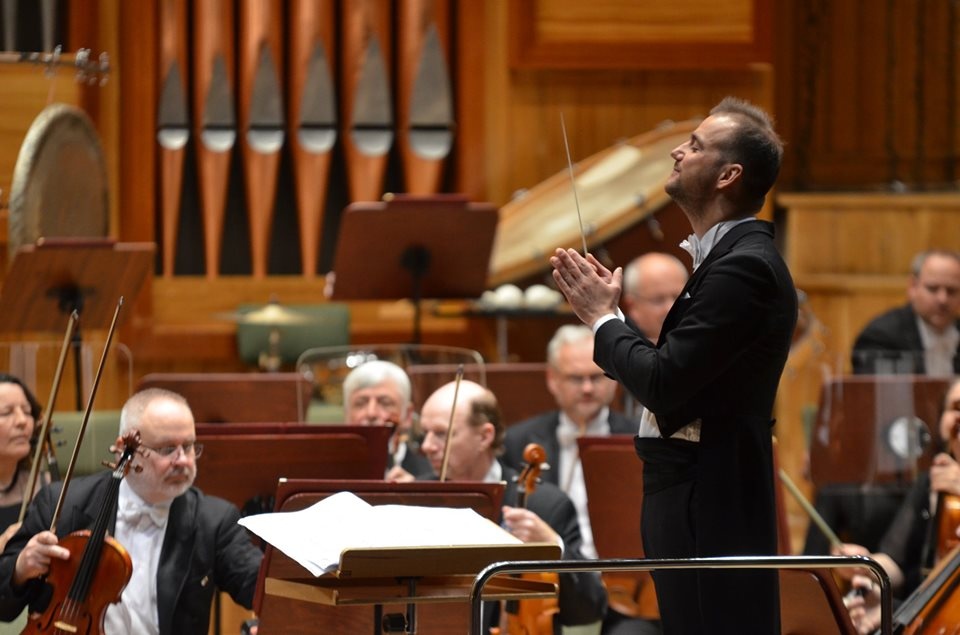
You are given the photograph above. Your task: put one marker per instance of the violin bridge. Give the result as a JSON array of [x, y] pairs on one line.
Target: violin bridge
[[70, 628]]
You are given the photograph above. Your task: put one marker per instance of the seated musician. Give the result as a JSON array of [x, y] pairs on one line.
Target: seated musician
[[583, 395], [182, 543], [549, 516], [377, 393], [19, 413], [907, 548]]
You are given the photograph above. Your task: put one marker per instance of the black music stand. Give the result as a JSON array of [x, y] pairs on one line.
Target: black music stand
[[56, 276], [414, 247]]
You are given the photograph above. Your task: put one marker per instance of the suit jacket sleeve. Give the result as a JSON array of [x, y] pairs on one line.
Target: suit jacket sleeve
[[735, 300]]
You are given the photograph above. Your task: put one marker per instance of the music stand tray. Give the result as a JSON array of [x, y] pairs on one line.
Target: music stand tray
[[50, 279]]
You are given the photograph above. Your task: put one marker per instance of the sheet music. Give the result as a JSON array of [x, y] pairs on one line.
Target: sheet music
[[316, 536]]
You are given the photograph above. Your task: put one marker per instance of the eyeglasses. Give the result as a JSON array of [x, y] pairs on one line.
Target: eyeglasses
[[188, 449], [579, 380]]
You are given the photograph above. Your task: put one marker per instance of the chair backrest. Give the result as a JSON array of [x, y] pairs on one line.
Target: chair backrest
[[235, 397], [325, 324], [324, 369]]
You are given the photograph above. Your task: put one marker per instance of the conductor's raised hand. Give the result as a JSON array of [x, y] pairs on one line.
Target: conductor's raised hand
[[591, 289]]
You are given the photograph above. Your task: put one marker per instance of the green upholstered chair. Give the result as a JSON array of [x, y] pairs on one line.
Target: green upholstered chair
[[101, 432], [310, 326]]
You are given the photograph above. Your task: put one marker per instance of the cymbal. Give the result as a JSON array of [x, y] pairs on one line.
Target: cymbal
[[270, 314]]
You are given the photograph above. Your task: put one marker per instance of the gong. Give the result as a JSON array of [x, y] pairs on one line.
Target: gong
[[59, 186]]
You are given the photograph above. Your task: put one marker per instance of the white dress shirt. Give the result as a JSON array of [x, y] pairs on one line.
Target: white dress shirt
[[140, 529]]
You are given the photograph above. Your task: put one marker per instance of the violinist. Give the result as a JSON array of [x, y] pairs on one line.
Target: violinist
[[908, 544], [19, 413], [378, 393], [183, 544], [476, 439]]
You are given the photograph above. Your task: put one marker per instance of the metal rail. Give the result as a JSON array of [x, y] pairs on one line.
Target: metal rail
[[746, 562]]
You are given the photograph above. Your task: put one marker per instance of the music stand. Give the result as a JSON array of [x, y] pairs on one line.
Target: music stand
[[414, 247], [381, 579], [56, 276], [875, 429]]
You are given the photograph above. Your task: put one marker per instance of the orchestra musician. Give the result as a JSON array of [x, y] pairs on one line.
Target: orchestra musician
[[476, 439], [709, 383], [378, 393], [909, 544], [19, 414], [182, 543]]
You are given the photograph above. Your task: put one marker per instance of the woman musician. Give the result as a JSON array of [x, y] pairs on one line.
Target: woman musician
[[924, 527], [19, 413]]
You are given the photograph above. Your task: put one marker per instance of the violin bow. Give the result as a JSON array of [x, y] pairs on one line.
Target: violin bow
[[43, 438], [573, 184], [86, 417], [811, 511], [453, 410]]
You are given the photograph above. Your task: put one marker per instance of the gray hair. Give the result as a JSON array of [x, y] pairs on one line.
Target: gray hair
[[917, 264], [132, 412], [375, 372], [567, 334]]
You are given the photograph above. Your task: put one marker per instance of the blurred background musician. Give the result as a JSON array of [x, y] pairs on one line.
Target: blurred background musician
[[476, 438], [378, 392], [651, 284], [922, 336], [19, 413]]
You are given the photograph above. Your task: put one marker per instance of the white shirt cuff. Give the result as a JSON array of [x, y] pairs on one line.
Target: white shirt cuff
[[606, 318]]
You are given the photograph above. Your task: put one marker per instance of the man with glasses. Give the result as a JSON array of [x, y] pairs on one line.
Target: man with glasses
[[583, 395], [182, 543]]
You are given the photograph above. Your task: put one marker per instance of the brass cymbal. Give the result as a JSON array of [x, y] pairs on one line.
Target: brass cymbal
[[270, 314]]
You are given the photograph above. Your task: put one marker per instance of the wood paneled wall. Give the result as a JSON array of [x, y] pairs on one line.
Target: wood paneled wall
[[867, 94]]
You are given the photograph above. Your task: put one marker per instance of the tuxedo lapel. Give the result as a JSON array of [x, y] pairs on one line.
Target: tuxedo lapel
[[175, 558]]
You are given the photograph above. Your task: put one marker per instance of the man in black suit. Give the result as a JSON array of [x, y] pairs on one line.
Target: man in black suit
[[378, 393], [922, 336], [583, 394], [476, 438], [182, 543], [710, 382]]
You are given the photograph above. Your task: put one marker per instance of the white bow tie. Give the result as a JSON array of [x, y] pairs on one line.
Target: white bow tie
[[692, 246], [139, 515]]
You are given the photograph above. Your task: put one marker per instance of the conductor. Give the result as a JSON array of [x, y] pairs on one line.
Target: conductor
[[709, 385]]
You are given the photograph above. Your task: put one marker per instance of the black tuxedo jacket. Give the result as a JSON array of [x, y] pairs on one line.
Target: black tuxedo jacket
[[203, 548], [893, 336], [722, 349], [542, 429]]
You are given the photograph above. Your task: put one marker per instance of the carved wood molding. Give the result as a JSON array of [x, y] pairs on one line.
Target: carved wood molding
[[647, 34]]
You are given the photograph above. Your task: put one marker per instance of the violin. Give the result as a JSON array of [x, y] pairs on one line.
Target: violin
[[532, 617], [99, 567], [97, 571]]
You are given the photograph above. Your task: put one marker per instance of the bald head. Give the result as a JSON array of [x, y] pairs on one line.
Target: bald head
[[477, 431], [651, 284]]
